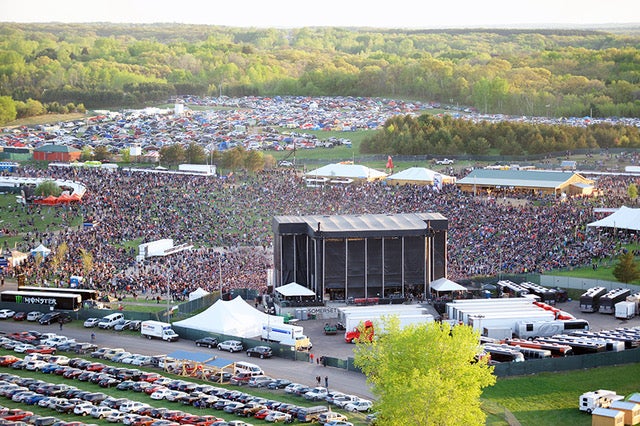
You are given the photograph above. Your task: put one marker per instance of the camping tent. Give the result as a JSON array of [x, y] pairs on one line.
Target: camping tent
[[624, 218], [232, 318], [44, 252], [445, 285], [198, 293]]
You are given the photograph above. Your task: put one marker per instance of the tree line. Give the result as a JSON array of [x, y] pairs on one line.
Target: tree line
[[525, 72], [428, 134]]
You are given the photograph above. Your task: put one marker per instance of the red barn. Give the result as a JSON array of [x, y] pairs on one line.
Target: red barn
[[51, 152]]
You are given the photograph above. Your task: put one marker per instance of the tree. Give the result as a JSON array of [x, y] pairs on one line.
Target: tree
[[425, 374], [58, 256], [87, 262], [125, 155], [632, 191], [172, 154], [8, 110], [46, 188], [194, 154], [626, 270], [101, 153]]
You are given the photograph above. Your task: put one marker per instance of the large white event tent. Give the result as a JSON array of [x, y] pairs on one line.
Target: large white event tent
[[623, 218], [232, 318]]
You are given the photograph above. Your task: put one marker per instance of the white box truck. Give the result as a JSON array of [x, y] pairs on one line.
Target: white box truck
[[286, 334], [625, 310], [159, 330]]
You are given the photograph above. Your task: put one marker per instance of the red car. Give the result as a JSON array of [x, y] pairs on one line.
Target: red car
[[42, 349], [150, 377], [16, 415], [262, 414], [95, 366], [7, 360], [22, 336], [200, 420], [20, 316]]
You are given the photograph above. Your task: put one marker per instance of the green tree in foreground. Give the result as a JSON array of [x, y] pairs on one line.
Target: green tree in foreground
[[425, 374], [46, 188], [632, 191], [626, 269]]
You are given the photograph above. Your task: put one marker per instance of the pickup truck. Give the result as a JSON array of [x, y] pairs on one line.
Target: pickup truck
[[444, 162]]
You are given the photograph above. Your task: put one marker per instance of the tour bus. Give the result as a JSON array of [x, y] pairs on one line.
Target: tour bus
[[85, 294]]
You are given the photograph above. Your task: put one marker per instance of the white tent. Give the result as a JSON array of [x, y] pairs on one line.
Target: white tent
[[294, 289], [233, 318], [419, 176], [624, 218], [445, 284], [44, 252], [198, 293], [346, 171]]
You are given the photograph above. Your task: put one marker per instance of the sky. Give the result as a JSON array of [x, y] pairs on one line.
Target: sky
[[413, 14]]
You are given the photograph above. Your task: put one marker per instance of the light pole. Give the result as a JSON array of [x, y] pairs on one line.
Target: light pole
[[220, 273], [169, 278]]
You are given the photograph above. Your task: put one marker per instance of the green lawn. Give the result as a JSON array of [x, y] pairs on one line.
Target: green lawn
[[552, 398]]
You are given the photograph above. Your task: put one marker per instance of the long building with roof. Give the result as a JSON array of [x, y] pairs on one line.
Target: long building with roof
[[533, 181], [361, 256]]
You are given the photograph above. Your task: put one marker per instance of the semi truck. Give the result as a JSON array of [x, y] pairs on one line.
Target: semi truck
[[158, 330], [286, 334], [358, 328], [529, 330], [625, 309]]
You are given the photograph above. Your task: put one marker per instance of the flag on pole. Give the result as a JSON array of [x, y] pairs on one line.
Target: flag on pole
[[389, 163]]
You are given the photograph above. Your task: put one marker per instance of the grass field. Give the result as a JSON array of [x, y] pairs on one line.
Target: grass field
[[552, 398]]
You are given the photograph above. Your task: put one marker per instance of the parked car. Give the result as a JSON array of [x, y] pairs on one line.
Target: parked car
[[123, 325], [34, 315], [260, 351], [209, 342], [231, 346], [279, 384], [360, 405], [91, 322], [6, 313], [20, 316]]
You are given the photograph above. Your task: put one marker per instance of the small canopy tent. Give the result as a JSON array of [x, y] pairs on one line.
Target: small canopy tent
[[198, 293], [294, 289], [17, 257], [419, 176], [445, 285], [232, 318], [44, 252], [624, 218]]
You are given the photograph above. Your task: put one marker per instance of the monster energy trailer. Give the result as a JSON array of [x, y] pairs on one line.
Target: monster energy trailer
[[63, 301]]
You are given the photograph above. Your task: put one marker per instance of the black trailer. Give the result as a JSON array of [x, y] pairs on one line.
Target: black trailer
[[59, 301]]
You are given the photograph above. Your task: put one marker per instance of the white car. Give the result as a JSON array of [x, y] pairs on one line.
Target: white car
[[161, 394], [34, 365], [231, 346], [83, 409], [6, 313], [91, 322], [174, 394], [361, 405], [22, 347], [129, 406], [34, 315], [342, 400], [444, 162], [100, 412], [116, 417], [316, 393]]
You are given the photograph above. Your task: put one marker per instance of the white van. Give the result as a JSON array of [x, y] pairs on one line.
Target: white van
[[247, 367], [111, 320]]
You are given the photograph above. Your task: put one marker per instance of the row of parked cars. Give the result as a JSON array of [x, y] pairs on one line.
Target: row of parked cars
[[260, 351], [42, 318], [119, 325]]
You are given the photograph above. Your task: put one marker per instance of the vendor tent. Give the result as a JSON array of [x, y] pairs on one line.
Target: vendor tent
[[42, 250], [232, 318], [624, 218], [294, 289], [443, 285], [196, 294], [17, 257], [340, 172]]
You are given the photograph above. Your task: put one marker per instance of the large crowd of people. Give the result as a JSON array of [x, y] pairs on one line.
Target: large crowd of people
[[228, 221]]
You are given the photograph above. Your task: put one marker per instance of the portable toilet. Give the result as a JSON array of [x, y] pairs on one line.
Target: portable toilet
[[631, 411], [634, 397], [607, 417]]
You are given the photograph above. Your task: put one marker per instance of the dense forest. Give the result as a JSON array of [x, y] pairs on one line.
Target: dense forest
[[406, 135], [521, 72]]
